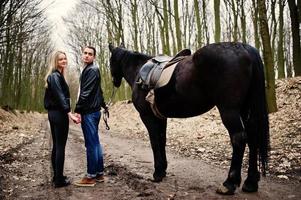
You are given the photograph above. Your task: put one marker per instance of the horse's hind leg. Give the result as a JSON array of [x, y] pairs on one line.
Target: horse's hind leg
[[251, 183], [232, 121], [157, 133]]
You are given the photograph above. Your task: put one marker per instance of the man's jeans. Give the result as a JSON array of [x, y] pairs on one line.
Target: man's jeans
[[93, 148]]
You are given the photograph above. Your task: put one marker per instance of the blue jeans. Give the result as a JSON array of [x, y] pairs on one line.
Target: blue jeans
[[93, 148]]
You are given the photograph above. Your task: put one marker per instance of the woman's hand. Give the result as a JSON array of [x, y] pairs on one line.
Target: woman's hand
[[76, 118]]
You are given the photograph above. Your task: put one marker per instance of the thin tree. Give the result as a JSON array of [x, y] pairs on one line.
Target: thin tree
[[267, 56], [235, 12], [198, 24], [171, 31], [280, 52], [273, 27], [295, 36], [178, 25], [241, 5], [205, 25], [217, 23], [166, 50], [134, 14], [255, 21]]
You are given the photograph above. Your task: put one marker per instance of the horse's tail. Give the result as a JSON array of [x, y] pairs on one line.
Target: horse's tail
[[257, 126]]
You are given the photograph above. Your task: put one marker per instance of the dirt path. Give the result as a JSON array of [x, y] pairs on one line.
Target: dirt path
[[29, 174], [189, 178], [129, 167]]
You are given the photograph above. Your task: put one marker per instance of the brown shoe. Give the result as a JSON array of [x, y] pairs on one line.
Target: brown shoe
[[85, 182], [99, 178]]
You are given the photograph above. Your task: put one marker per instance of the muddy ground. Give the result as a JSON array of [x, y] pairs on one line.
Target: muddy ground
[[198, 156]]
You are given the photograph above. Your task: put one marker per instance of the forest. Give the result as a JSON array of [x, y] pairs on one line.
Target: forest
[[149, 26]]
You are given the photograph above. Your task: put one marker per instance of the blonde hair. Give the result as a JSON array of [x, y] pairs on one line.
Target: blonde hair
[[53, 64]]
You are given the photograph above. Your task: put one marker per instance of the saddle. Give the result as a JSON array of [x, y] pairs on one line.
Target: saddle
[[157, 72]]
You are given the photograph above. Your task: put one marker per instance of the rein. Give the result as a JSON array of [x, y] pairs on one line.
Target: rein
[[106, 114]]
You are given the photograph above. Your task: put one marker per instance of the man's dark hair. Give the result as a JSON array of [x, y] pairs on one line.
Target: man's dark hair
[[90, 47]]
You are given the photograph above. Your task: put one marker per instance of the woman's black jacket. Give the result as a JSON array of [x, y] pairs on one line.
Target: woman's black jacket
[[57, 95]]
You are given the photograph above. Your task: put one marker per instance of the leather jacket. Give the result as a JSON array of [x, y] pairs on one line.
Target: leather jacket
[[57, 95], [91, 96]]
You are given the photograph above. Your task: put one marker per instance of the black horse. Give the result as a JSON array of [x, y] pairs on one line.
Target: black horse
[[229, 76]]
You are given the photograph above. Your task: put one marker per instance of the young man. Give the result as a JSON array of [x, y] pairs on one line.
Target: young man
[[89, 103]]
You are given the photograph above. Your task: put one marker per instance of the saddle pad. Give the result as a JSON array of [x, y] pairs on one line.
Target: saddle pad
[[166, 75]]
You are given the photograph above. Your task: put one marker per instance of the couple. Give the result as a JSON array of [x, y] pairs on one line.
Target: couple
[[87, 112]]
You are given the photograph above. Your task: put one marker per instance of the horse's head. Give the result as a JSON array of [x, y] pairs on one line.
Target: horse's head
[[115, 64], [125, 64]]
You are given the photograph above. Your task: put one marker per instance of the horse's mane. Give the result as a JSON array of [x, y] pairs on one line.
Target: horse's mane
[[128, 56]]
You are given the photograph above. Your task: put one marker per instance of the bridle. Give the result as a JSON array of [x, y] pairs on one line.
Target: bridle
[[106, 114]]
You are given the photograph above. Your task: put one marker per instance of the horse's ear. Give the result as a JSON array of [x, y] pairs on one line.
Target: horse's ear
[[121, 45], [111, 47]]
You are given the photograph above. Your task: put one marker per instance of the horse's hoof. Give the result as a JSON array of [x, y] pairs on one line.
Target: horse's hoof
[[250, 187], [225, 191], [158, 177]]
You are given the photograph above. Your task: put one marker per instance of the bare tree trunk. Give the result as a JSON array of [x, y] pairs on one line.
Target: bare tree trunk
[[217, 23], [234, 7], [267, 56], [289, 64], [161, 19], [4, 84], [228, 33], [134, 13], [115, 21], [166, 50], [299, 9], [185, 18], [198, 23], [273, 25], [171, 31], [243, 21], [18, 77], [296, 36], [280, 52], [120, 24], [178, 25], [255, 21], [162, 36], [206, 32]]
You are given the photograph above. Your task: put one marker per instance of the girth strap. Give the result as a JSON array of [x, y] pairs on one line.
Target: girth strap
[[151, 99]]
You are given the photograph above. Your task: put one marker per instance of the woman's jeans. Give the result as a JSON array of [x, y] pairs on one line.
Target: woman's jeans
[[59, 125], [93, 148]]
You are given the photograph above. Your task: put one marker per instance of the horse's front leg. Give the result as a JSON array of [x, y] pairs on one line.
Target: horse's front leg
[[157, 133], [232, 121]]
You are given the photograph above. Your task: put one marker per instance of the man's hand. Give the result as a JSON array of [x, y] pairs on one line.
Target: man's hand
[[78, 118]]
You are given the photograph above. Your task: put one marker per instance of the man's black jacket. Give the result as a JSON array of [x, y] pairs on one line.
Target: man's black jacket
[[90, 97], [57, 96]]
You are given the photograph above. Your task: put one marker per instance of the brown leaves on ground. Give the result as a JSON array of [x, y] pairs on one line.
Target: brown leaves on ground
[[17, 132], [17, 128], [286, 129]]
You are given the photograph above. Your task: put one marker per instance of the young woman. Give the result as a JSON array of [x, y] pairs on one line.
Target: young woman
[[57, 102]]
